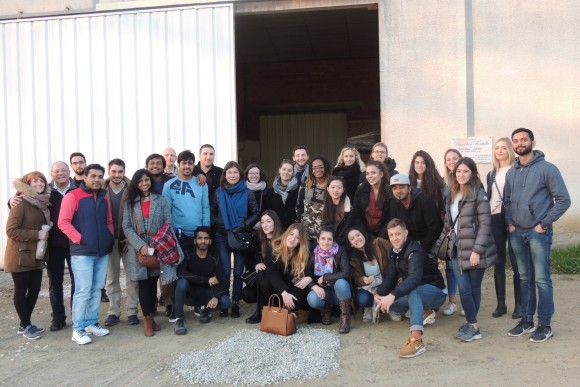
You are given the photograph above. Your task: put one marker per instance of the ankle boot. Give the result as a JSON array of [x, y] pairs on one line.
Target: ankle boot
[[326, 314], [345, 310], [517, 314], [155, 326], [255, 318], [501, 309], [148, 326]]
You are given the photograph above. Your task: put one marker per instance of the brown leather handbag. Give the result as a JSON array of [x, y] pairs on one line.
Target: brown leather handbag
[[277, 319], [150, 261]]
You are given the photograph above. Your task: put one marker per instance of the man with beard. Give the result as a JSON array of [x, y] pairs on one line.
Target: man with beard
[[155, 163], [202, 282], [189, 205], [300, 157], [86, 219], [78, 162], [417, 209], [206, 171], [116, 186], [535, 197]]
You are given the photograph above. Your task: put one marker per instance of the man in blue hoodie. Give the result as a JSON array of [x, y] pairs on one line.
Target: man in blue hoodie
[[189, 204], [535, 197]]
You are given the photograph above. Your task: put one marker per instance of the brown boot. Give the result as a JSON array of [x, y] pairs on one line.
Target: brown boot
[[326, 314], [155, 326], [148, 326], [345, 310], [301, 316]]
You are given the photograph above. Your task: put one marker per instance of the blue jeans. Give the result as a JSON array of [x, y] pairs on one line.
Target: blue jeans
[[451, 281], [364, 298], [90, 274], [421, 298], [186, 294], [532, 250], [224, 252], [340, 291], [469, 282]]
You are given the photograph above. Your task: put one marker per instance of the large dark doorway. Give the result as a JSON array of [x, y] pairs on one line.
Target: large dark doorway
[[305, 76]]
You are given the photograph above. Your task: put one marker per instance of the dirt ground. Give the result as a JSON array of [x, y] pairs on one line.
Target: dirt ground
[[368, 355]]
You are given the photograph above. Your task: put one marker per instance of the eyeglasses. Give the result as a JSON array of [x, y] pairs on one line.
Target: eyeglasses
[[380, 152], [318, 168], [253, 173]]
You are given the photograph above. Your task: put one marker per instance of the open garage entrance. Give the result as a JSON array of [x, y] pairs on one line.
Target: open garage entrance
[[308, 78]]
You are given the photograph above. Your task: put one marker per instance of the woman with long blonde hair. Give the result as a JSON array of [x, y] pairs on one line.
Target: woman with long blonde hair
[[285, 270], [503, 159]]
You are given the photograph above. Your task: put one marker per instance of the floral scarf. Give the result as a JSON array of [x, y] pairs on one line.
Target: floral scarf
[[324, 260]]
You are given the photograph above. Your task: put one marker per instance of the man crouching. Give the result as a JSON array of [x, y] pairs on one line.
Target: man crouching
[[413, 283], [202, 282]]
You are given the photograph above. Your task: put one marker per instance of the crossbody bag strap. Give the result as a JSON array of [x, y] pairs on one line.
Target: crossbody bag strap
[[498, 191], [455, 220]]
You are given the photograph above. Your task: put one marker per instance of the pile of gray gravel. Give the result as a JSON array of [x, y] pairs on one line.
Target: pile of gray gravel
[[254, 358]]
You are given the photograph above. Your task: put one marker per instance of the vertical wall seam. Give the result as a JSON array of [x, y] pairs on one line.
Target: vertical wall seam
[[469, 81]]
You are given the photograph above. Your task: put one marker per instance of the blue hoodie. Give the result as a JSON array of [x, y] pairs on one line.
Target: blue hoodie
[[535, 193], [189, 203]]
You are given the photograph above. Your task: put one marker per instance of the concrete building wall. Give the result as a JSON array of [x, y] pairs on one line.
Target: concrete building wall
[[453, 68]]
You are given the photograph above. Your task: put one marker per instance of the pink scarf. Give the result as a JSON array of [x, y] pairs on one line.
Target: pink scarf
[[324, 260]]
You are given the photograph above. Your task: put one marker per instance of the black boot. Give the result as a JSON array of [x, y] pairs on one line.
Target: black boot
[[517, 314], [255, 318], [499, 279]]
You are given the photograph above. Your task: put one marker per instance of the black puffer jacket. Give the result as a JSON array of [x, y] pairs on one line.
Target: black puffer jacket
[[286, 211], [408, 269], [474, 230], [422, 218]]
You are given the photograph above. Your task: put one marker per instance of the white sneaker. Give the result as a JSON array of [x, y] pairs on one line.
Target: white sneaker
[[450, 310], [368, 314], [462, 312], [396, 317], [96, 330], [81, 337], [429, 317]]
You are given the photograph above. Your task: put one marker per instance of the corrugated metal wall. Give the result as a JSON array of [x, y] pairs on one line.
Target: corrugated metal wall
[[322, 133], [123, 84]]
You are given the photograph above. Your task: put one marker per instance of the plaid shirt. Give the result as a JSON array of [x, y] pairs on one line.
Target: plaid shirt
[[166, 245]]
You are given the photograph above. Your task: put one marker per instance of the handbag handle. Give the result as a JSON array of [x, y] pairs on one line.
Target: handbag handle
[[274, 297]]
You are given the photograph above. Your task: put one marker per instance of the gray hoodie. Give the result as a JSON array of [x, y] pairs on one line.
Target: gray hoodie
[[535, 193]]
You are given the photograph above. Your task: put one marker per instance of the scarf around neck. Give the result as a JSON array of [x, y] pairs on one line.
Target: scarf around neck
[[41, 201], [260, 186], [233, 202], [283, 190], [324, 260]]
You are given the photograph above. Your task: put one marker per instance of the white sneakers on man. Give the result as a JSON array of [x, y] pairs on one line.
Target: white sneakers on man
[[81, 337], [97, 330]]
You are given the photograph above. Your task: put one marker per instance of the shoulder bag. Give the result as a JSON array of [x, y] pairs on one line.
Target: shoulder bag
[[442, 253], [150, 261]]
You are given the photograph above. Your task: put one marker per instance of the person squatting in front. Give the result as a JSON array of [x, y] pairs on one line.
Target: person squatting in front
[[329, 269], [202, 282], [413, 282]]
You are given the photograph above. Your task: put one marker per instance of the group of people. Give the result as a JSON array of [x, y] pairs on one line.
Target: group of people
[[330, 240]]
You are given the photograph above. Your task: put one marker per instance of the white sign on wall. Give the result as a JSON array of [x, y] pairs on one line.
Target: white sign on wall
[[478, 148]]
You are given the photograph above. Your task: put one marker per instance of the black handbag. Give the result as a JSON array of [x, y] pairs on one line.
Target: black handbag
[[249, 277], [242, 241]]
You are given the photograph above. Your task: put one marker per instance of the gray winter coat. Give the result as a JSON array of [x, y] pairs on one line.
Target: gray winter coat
[[474, 230], [159, 214], [535, 193]]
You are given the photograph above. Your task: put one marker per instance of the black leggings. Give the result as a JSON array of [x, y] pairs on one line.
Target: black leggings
[[148, 295], [26, 288]]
